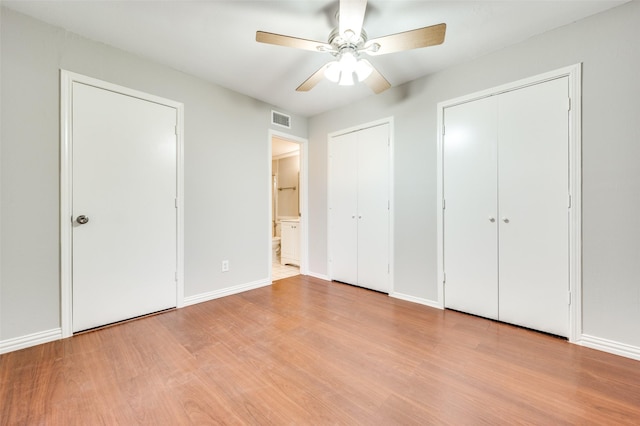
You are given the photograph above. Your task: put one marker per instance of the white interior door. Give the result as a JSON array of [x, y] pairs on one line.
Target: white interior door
[[124, 181], [534, 216], [373, 208], [470, 214], [343, 207]]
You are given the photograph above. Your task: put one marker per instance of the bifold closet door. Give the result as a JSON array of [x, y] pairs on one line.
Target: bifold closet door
[[534, 217], [359, 208], [373, 208], [343, 205], [506, 207], [470, 216]]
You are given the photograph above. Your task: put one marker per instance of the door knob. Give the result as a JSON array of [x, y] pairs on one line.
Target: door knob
[[505, 219], [492, 219], [82, 219]]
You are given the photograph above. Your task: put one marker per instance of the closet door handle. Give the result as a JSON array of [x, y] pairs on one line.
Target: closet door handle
[[505, 219], [492, 219]]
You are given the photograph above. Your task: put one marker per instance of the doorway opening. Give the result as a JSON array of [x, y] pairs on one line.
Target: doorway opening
[[287, 195]]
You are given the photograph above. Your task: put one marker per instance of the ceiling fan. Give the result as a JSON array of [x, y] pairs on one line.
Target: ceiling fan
[[349, 42]]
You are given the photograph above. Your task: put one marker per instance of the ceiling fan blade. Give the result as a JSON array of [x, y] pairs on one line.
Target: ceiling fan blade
[[376, 81], [352, 15], [414, 39], [314, 79], [288, 41]]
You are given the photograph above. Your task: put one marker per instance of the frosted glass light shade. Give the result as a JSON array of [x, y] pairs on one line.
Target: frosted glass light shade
[[363, 69], [346, 78], [342, 70], [348, 61], [332, 72]]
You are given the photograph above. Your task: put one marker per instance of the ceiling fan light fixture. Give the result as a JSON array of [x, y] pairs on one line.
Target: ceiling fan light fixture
[[342, 70], [332, 72], [348, 60], [363, 69], [346, 78]]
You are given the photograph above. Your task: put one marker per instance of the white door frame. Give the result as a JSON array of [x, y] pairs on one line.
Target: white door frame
[[575, 183], [304, 199], [67, 79], [389, 121]]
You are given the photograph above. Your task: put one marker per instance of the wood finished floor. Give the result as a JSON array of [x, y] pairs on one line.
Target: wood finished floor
[[305, 351]]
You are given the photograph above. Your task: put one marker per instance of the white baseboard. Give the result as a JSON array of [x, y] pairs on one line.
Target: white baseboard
[[205, 297], [610, 346], [319, 276], [29, 340], [421, 301], [38, 338]]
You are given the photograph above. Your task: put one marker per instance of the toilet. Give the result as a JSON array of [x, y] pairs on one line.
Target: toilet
[[275, 242], [275, 249]]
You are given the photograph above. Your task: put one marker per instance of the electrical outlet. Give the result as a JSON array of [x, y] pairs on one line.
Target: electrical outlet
[[225, 266]]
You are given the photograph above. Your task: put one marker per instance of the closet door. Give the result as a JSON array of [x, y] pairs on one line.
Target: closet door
[[470, 215], [534, 223], [343, 207], [373, 208], [359, 208]]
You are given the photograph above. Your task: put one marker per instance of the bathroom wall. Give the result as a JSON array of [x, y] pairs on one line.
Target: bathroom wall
[[288, 177]]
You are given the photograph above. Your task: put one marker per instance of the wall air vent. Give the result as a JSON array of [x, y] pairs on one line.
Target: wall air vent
[[280, 119]]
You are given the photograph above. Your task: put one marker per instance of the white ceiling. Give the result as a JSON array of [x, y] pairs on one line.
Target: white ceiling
[[215, 39]]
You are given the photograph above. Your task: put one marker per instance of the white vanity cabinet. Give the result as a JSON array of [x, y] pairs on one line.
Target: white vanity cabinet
[[290, 242]]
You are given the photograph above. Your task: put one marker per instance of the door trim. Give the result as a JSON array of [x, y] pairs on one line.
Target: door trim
[[574, 74], [389, 121], [67, 78], [304, 200]]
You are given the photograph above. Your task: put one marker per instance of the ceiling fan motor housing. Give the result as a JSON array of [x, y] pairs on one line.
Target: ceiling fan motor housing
[[339, 41]]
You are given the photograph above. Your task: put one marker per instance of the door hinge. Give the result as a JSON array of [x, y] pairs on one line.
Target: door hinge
[[569, 301], [568, 104], [388, 205], [176, 202], [444, 278], [175, 130], [388, 268], [175, 276], [443, 129], [444, 204], [570, 200]]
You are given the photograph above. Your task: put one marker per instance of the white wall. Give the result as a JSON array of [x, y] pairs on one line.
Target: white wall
[[607, 45], [226, 140]]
